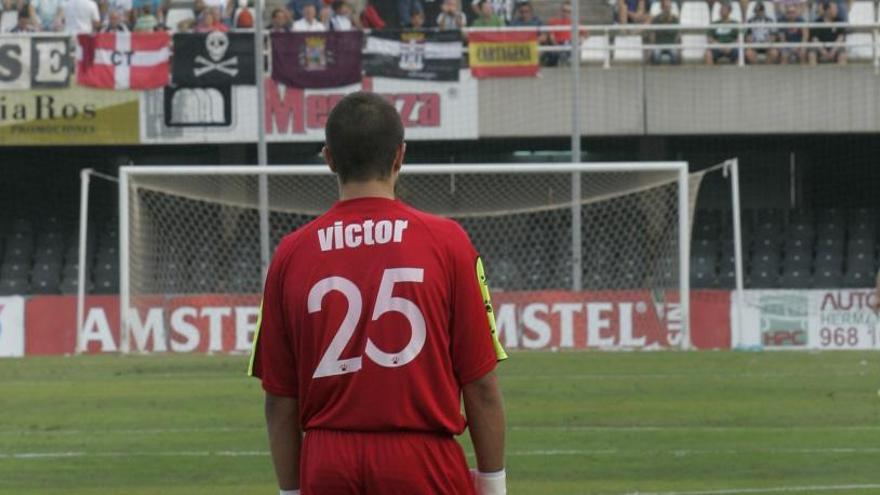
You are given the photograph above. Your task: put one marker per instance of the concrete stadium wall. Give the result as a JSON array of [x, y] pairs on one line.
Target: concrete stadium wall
[[648, 100]]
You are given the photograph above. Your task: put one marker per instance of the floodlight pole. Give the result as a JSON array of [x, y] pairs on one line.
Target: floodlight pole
[[576, 248], [262, 149]]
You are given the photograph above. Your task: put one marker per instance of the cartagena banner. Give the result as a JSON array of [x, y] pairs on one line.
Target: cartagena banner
[[11, 326], [526, 320], [503, 54], [429, 111], [808, 319], [427, 56], [68, 116]]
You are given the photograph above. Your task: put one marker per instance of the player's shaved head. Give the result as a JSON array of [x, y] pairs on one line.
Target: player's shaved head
[[363, 136]]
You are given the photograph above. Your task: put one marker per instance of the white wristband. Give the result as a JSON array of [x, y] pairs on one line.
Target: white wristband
[[288, 492], [490, 483]]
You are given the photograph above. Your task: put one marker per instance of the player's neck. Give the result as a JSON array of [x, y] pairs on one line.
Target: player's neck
[[366, 189]]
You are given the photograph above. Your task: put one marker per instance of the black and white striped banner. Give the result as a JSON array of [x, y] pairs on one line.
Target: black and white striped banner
[[421, 55]]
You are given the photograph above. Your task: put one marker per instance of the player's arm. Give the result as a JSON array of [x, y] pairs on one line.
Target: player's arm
[[285, 439], [484, 408]]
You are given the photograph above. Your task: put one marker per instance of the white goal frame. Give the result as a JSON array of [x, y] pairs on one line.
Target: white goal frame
[[680, 168]]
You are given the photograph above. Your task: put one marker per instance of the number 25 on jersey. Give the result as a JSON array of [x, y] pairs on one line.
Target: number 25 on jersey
[[330, 364]]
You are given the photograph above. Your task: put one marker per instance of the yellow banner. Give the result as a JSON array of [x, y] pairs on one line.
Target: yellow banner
[[505, 54], [69, 116]]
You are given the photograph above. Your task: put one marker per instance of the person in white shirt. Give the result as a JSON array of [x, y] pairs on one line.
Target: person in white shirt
[[342, 18], [309, 21], [81, 16]]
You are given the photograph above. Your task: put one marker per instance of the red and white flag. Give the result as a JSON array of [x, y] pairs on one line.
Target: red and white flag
[[123, 60]]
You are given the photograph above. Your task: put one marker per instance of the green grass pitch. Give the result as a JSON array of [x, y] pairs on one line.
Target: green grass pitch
[[579, 423]]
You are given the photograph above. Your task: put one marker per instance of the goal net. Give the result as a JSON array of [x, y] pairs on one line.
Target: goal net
[[579, 255]]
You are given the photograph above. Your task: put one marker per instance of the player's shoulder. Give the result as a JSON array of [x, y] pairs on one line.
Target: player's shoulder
[[293, 240], [444, 228]]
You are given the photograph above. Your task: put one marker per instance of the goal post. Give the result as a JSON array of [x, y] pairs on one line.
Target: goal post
[[619, 228]]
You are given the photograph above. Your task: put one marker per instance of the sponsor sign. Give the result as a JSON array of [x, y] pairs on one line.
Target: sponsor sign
[[810, 319], [68, 116], [526, 320], [608, 320], [34, 62], [429, 110], [11, 326], [208, 323]]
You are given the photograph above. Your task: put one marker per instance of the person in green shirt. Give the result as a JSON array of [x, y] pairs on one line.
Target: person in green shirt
[[487, 16], [670, 37], [723, 35]]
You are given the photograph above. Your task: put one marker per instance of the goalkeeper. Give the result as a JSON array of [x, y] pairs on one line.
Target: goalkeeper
[[376, 321]]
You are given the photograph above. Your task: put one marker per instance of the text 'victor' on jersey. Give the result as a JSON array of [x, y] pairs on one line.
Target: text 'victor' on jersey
[[369, 232]]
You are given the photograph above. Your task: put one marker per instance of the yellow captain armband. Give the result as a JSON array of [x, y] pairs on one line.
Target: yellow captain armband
[[250, 370], [490, 313]]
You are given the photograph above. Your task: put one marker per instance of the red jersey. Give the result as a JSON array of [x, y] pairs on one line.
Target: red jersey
[[374, 316]]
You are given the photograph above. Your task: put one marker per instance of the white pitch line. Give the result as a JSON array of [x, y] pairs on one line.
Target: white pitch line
[[521, 453], [600, 428], [778, 489]]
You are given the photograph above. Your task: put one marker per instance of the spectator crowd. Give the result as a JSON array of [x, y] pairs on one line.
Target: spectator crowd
[[88, 16]]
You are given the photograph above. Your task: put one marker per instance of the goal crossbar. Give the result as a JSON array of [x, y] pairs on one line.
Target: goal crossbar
[[677, 170]]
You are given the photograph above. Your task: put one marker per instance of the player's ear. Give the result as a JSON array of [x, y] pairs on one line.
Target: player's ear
[[325, 152], [398, 158]]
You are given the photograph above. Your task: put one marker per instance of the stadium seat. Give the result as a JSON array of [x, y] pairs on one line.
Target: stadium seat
[[735, 11], [628, 49], [858, 278], [14, 269], [829, 244], [793, 243], [694, 13], [14, 286], [831, 215], [827, 279], [796, 278], [765, 260], [704, 247], [48, 254], [701, 279], [860, 245], [859, 43], [763, 279], [831, 230], [46, 270], [798, 258], [765, 244], [828, 260], [106, 286], [801, 230], [22, 226], [862, 230], [44, 286], [769, 9], [594, 49]]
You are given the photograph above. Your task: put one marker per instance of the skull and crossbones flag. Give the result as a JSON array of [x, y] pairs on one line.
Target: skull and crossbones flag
[[215, 59], [122, 60]]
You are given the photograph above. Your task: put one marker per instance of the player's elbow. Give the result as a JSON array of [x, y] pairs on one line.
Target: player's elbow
[[279, 407], [483, 393]]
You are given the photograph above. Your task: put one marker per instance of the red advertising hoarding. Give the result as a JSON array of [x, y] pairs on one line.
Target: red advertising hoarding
[[526, 320]]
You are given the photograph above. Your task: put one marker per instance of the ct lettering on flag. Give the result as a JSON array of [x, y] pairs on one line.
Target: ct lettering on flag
[[317, 60], [503, 54], [428, 56], [123, 60], [213, 60]]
